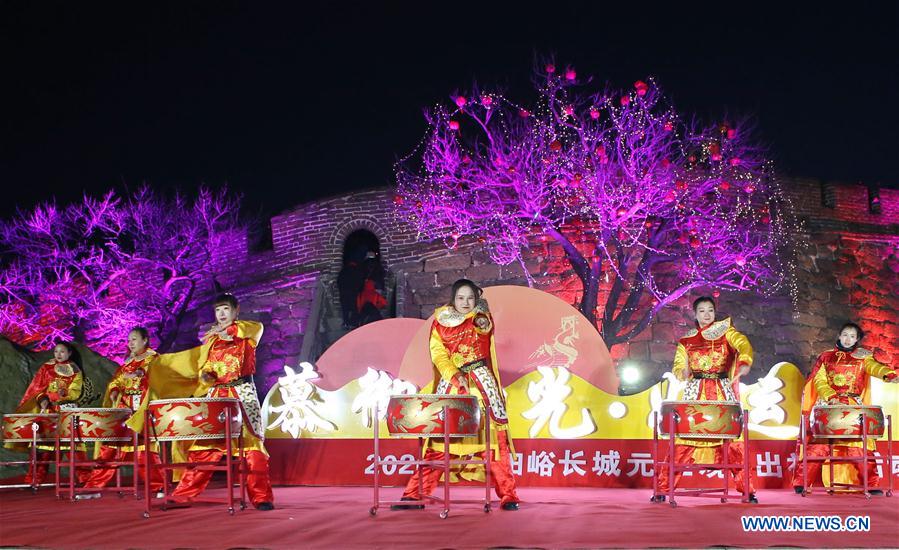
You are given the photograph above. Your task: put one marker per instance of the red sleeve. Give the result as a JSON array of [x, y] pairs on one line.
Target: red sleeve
[[38, 384]]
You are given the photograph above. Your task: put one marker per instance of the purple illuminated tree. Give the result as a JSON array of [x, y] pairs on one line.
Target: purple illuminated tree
[[646, 204], [90, 271]]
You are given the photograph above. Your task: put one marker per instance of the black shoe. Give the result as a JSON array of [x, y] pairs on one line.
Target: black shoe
[[510, 506], [798, 489], [407, 506], [657, 498], [265, 506], [876, 492], [752, 499]]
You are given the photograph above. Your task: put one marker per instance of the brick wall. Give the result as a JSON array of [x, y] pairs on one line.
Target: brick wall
[[848, 269]]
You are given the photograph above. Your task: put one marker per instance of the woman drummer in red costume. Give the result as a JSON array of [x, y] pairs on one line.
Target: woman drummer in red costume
[[841, 377], [57, 382], [464, 361], [711, 359], [127, 389]]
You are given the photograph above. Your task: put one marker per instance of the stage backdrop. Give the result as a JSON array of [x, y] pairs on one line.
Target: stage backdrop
[[569, 426]]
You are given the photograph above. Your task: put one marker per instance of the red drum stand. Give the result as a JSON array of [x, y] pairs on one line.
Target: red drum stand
[[444, 430], [29, 429], [726, 467], [862, 461], [229, 416], [70, 433]]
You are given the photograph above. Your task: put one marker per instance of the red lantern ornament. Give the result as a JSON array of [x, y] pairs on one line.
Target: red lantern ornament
[[731, 133], [716, 293], [670, 196], [523, 113], [398, 199], [641, 88], [666, 163], [680, 185], [486, 100], [749, 188], [724, 185], [550, 68], [692, 158], [453, 125], [694, 242], [766, 219], [621, 211], [461, 101], [683, 238], [668, 126], [625, 101], [735, 161], [555, 145], [715, 152], [600, 150], [568, 110], [740, 261], [570, 74], [594, 113]]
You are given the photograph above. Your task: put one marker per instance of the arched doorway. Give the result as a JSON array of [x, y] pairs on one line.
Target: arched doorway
[[360, 282]]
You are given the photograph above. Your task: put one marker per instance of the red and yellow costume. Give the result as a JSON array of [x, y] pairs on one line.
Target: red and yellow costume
[[226, 366], [57, 383], [128, 388], [709, 358], [841, 377], [463, 344]]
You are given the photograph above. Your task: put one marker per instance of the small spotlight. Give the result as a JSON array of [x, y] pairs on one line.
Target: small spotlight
[[630, 374]]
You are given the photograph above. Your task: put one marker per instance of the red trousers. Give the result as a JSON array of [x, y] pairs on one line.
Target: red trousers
[[500, 471], [683, 454], [814, 468], [36, 476], [101, 476], [258, 484]]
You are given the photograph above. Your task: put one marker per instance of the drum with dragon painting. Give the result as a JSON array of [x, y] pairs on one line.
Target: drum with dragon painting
[[94, 424], [421, 415], [844, 421], [25, 428], [193, 418], [703, 419]]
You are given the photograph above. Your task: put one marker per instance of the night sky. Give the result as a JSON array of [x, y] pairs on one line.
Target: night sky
[[286, 103]]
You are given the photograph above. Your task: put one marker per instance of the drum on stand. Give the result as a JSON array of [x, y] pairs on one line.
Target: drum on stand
[[18, 427], [844, 421], [422, 415], [96, 424], [703, 419], [193, 418]]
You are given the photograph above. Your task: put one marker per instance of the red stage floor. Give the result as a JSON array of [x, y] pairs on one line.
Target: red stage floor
[[337, 517]]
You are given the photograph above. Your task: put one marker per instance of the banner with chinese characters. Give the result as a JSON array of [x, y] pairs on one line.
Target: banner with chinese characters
[[569, 426], [536, 463]]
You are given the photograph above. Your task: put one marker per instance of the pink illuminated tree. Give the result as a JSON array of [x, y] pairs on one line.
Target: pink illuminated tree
[[90, 271], [647, 205]]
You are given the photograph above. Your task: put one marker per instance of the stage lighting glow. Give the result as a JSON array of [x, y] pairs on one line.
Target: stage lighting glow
[[630, 374]]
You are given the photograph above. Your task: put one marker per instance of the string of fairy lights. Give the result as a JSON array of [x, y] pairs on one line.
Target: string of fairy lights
[[614, 176]]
